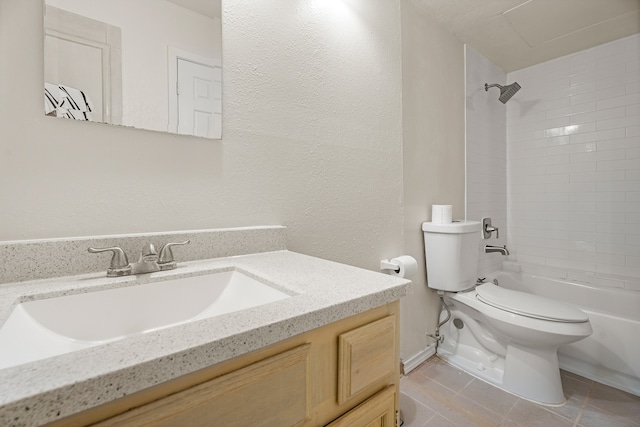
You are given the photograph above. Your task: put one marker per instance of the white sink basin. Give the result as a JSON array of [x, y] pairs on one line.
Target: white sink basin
[[48, 327]]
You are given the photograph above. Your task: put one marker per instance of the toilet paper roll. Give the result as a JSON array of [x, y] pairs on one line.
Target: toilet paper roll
[[407, 266], [441, 214]]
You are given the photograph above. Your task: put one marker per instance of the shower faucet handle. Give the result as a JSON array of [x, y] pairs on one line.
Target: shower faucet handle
[[487, 228], [491, 229]]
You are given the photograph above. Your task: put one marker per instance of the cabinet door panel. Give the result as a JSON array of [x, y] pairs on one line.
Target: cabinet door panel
[[378, 411], [366, 355], [271, 392]]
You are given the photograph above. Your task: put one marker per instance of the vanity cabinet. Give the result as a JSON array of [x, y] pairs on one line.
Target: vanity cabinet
[[342, 374], [377, 411]]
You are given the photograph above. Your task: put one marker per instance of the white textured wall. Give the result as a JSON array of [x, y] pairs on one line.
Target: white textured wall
[[433, 143], [486, 148], [574, 163], [312, 138]]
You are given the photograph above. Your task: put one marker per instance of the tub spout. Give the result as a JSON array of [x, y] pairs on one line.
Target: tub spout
[[502, 249]]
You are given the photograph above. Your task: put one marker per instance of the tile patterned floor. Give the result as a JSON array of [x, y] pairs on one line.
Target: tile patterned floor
[[437, 394]]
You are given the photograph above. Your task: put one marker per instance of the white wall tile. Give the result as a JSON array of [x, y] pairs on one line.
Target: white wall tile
[[572, 156], [618, 123], [601, 114], [486, 151], [587, 217], [626, 99], [620, 143]]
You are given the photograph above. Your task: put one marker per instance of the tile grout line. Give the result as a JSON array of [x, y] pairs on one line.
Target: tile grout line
[[584, 405], [506, 416]]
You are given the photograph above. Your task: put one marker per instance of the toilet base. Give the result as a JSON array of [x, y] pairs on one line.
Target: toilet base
[[528, 373], [534, 374], [519, 385]]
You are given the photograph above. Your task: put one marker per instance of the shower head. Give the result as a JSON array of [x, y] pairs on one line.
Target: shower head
[[506, 92]]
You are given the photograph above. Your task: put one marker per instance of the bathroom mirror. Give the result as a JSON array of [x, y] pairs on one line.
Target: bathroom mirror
[[148, 64]]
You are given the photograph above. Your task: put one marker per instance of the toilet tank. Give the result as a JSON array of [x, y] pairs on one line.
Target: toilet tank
[[452, 254]]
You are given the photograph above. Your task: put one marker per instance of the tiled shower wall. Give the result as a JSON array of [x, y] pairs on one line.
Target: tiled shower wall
[[573, 163], [486, 123]]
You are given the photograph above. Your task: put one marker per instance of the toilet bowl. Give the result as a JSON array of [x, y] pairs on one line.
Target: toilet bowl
[[505, 337], [527, 335]]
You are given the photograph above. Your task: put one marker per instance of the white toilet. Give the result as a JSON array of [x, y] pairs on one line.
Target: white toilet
[[505, 337]]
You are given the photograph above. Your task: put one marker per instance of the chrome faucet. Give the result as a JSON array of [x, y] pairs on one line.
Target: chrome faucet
[[502, 249], [148, 262]]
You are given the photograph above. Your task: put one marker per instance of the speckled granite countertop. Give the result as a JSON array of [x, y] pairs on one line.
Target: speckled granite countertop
[[43, 391]]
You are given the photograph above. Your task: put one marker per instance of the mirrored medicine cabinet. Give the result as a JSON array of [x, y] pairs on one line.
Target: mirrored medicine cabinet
[[148, 64]]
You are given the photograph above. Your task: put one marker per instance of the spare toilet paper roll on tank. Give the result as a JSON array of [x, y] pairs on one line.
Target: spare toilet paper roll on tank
[[407, 266], [441, 214]]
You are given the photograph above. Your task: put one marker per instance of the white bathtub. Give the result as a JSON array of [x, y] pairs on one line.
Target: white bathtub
[[611, 355]]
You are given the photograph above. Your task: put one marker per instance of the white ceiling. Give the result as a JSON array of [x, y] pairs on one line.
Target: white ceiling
[[515, 34]]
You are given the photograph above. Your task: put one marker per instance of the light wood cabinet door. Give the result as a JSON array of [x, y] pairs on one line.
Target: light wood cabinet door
[[378, 411], [272, 392], [295, 382], [366, 356]]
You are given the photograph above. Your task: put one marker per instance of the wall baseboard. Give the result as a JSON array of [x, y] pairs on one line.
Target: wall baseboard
[[417, 359]]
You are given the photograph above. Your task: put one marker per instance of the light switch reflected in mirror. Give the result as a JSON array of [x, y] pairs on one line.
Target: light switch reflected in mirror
[[148, 64]]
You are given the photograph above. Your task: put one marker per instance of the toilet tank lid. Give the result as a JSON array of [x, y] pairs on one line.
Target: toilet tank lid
[[452, 227], [530, 305]]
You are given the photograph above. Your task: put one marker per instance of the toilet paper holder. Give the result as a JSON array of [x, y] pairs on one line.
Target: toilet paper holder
[[404, 266], [386, 265]]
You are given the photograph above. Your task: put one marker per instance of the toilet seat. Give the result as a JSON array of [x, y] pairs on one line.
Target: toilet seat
[[529, 305]]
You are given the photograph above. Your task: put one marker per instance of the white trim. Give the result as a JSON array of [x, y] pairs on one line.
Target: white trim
[[417, 359], [173, 54]]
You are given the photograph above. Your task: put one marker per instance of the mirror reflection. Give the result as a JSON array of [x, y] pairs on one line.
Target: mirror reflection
[[149, 64]]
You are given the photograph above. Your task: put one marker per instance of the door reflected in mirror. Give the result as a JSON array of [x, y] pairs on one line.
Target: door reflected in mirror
[[148, 64]]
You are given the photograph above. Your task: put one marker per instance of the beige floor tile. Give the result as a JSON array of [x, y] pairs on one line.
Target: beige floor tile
[[595, 417], [440, 395], [438, 421], [570, 410], [480, 413], [424, 390], [531, 415], [490, 397], [614, 401], [413, 413], [444, 402], [448, 376], [575, 386], [575, 390]]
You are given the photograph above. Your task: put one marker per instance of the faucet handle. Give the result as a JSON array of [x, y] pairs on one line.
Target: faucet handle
[[166, 260], [491, 229], [119, 263], [487, 228]]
